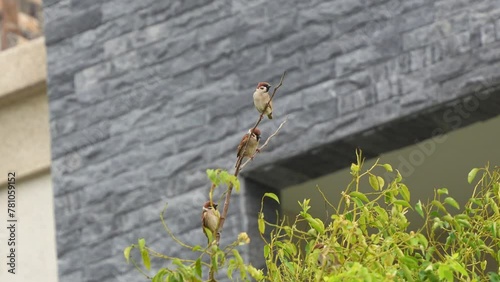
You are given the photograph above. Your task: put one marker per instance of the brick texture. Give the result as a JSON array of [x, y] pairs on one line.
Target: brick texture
[[146, 95]]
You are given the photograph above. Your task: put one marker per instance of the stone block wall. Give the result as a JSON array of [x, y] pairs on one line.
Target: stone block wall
[[146, 95]]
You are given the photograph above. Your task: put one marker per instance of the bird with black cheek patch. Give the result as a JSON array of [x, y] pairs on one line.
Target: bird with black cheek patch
[[261, 97], [210, 217], [252, 138]]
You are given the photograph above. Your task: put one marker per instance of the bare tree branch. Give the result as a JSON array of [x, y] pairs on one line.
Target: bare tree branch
[[238, 164]]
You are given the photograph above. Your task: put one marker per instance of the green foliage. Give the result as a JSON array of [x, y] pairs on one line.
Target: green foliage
[[219, 176], [365, 239], [210, 257]]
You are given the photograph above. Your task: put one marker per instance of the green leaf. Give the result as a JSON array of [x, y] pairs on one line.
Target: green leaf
[[381, 182], [197, 267], [142, 243], [494, 206], [445, 272], [349, 216], [374, 182], [156, 278], [231, 268], [317, 224], [126, 253], [290, 248], [450, 239], [493, 228], [145, 259], [267, 250], [423, 240], [305, 205], [472, 175], [255, 273], [210, 236], [458, 267], [261, 223], [409, 261], [359, 195], [398, 177], [312, 233], [402, 203], [212, 175], [290, 267], [197, 248], [214, 263], [450, 201], [407, 272], [439, 206], [494, 277], [387, 167], [442, 191], [237, 256], [418, 208], [354, 168], [358, 202], [464, 223], [272, 196], [159, 276], [231, 179], [310, 246], [404, 192], [382, 214]]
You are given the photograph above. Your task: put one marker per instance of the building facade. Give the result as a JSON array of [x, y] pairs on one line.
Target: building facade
[[25, 151], [144, 96]]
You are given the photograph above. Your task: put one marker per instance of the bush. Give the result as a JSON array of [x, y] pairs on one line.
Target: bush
[[367, 238]]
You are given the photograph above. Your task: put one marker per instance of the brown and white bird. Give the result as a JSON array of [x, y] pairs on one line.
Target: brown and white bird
[[261, 97], [253, 143], [326, 256], [210, 218]]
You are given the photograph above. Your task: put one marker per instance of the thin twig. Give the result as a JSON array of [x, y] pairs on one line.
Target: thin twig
[[265, 143], [165, 226], [140, 270], [238, 164], [160, 255]]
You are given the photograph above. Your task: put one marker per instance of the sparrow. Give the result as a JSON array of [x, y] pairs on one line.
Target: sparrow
[[253, 143], [210, 218], [261, 97], [326, 257]]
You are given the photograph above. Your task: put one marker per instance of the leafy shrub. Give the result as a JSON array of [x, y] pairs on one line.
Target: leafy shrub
[[367, 238]]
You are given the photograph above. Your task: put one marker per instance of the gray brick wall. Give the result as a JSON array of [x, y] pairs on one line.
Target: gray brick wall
[[146, 95]]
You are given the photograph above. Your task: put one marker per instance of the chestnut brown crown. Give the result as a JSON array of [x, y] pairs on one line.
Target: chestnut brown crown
[[265, 85], [256, 131], [209, 204]]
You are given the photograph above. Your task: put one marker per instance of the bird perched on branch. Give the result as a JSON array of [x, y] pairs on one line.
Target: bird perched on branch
[[326, 256], [210, 219], [261, 97], [248, 151]]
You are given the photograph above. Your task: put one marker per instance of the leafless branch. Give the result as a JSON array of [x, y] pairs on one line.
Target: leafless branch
[[238, 164]]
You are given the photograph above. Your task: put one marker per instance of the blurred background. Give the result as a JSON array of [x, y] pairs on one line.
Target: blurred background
[[110, 109]]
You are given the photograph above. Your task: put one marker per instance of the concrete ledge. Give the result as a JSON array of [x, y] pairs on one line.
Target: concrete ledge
[[23, 71], [24, 114]]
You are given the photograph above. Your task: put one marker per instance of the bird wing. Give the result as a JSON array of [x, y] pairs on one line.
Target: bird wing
[[241, 146], [203, 223]]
